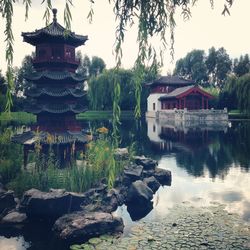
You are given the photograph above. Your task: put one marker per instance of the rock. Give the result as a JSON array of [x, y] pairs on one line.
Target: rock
[[147, 163], [152, 183], [139, 193], [138, 211], [7, 201], [79, 226], [50, 205], [163, 176], [14, 218], [133, 172], [110, 202], [121, 154]]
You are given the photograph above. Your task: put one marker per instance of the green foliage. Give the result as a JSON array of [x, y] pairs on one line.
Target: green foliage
[[213, 68], [236, 93], [10, 157], [215, 92], [241, 66], [98, 163], [243, 93], [3, 91], [228, 96], [90, 67], [101, 88], [193, 66]]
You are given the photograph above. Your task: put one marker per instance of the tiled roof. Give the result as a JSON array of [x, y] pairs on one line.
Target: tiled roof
[[54, 31], [55, 92], [31, 137], [171, 80], [56, 108], [55, 75], [176, 92]]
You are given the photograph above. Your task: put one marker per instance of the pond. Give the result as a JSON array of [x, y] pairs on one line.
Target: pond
[[208, 164]]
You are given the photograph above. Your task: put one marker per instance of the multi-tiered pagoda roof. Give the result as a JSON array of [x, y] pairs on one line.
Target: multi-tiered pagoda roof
[[56, 92]]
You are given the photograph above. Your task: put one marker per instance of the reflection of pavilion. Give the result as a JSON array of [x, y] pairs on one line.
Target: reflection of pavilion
[[172, 135]]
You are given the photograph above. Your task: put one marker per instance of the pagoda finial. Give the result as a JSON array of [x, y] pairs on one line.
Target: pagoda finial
[[54, 13]]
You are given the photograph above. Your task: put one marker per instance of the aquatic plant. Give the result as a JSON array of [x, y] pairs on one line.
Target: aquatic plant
[[10, 157], [98, 163]]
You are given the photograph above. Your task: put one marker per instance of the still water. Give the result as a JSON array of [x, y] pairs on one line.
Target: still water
[[208, 164]]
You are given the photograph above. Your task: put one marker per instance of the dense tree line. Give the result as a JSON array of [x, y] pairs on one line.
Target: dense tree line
[[205, 69], [101, 92], [99, 82], [228, 78]]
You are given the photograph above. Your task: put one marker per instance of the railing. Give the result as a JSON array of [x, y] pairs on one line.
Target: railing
[[56, 60]]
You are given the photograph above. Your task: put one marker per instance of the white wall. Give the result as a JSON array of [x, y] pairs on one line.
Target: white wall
[[153, 98]]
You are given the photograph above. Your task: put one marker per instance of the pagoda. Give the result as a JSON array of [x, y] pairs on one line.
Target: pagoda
[[56, 91]]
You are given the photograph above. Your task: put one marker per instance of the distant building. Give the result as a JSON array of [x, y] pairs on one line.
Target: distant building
[[169, 92], [173, 97]]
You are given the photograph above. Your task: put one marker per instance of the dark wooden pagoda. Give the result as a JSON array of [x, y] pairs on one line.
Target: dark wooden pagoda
[[56, 91]]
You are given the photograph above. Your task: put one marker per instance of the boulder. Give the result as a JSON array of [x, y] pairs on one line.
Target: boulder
[[14, 218], [137, 211], [152, 183], [139, 192], [7, 201], [121, 154], [80, 226], [133, 172], [163, 176], [50, 205], [147, 163]]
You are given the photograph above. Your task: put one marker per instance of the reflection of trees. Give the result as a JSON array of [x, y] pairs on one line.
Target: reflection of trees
[[218, 156]]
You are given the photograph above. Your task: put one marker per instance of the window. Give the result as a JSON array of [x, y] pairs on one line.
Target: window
[[41, 53], [153, 106], [56, 53], [153, 128]]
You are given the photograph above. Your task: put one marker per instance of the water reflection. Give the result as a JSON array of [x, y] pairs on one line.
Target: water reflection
[[14, 243], [199, 149], [208, 164]]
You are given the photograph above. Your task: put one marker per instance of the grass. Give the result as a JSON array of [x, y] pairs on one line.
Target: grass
[[18, 116], [98, 163], [237, 114], [88, 115], [106, 114]]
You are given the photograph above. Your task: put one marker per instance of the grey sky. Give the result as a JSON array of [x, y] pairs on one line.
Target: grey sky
[[205, 29]]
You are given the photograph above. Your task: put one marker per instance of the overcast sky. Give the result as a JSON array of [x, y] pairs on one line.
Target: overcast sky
[[205, 29]]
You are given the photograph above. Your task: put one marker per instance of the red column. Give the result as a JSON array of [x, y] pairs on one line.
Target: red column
[[184, 102], [202, 100], [207, 104]]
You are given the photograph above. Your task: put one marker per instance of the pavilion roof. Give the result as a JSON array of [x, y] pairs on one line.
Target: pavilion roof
[[55, 92], [56, 108], [55, 75], [31, 137], [184, 91], [54, 31], [171, 80]]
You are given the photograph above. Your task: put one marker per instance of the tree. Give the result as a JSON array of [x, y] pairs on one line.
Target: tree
[[21, 84], [101, 88], [90, 67], [192, 66], [154, 18], [241, 66], [3, 90], [243, 93], [84, 64], [211, 63], [218, 65], [228, 96]]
